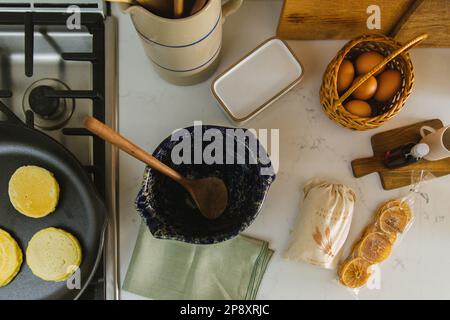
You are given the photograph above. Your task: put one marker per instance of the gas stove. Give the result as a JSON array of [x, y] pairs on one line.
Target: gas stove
[[52, 76]]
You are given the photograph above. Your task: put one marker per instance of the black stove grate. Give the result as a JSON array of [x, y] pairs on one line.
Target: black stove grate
[[95, 24]]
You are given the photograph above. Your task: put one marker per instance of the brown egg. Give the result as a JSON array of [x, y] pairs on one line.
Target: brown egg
[[358, 108], [366, 90], [367, 61], [389, 82], [345, 76]]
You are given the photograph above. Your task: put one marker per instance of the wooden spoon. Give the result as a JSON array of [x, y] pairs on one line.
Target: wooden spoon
[[209, 194], [178, 8], [159, 7], [124, 1]]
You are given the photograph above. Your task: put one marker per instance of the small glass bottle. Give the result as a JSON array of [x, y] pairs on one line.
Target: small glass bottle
[[406, 154]]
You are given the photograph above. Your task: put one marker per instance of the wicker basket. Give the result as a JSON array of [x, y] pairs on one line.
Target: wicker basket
[[396, 58]]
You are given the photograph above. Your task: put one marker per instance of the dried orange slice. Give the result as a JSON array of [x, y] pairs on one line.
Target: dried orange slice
[[357, 251], [394, 219], [354, 273], [395, 203], [391, 236], [375, 247], [390, 204]]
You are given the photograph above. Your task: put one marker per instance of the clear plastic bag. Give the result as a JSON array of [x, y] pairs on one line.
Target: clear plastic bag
[[392, 220]]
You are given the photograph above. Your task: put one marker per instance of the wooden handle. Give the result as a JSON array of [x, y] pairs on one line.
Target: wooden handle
[[405, 17], [363, 79], [108, 134], [178, 8], [365, 166], [123, 1]]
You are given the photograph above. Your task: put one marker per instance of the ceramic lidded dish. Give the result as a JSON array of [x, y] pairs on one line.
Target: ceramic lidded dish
[[257, 80], [170, 213]]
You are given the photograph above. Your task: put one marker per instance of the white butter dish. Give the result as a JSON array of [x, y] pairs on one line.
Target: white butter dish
[[257, 80]]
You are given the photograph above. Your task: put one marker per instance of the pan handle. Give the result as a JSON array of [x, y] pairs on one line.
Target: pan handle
[[12, 118]]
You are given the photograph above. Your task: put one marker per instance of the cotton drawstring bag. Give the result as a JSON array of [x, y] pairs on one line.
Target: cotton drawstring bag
[[323, 224]]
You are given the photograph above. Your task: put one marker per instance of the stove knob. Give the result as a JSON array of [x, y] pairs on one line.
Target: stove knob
[[41, 104]]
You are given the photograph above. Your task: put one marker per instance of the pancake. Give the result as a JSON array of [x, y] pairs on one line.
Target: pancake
[[33, 191], [10, 258], [53, 254]]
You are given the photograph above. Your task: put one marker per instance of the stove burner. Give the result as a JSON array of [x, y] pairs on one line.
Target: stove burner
[[41, 104], [50, 113]]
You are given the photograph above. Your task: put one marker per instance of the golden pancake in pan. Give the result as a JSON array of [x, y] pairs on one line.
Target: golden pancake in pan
[[33, 191], [53, 254], [10, 258]]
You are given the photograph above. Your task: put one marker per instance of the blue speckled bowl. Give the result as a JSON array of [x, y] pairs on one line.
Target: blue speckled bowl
[[169, 212]]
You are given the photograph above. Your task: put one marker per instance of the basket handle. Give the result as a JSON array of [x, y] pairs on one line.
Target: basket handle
[[406, 47]]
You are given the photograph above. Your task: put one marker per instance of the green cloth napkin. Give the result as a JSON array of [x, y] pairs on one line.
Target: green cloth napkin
[[169, 270]]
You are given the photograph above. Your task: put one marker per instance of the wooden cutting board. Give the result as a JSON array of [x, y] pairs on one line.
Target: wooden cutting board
[[347, 19], [430, 16], [400, 177], [336, 19]]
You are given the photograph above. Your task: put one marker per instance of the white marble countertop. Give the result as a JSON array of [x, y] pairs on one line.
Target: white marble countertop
[[311, 146]]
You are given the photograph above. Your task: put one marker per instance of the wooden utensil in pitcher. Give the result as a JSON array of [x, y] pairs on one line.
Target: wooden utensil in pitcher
[[178, 8], [159, 7], [209, 194]]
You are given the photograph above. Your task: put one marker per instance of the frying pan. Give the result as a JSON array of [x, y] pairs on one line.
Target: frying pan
[[80, 210]]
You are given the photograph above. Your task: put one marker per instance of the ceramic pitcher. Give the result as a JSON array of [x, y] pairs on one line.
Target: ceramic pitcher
[[184, 51], [438, 141]]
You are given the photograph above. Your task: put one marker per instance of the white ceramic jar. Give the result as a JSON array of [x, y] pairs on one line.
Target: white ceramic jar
[[184, 51]]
